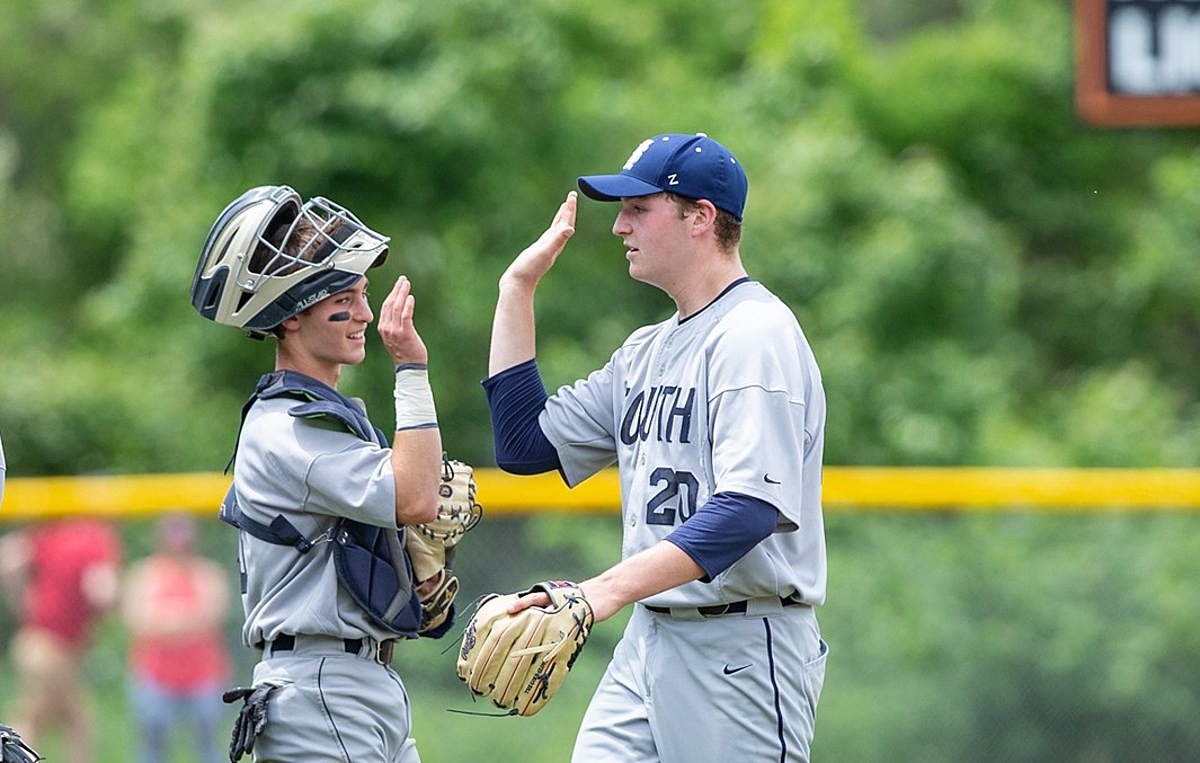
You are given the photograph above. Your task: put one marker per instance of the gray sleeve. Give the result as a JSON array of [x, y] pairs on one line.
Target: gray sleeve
[[580, 421], [314, 466]]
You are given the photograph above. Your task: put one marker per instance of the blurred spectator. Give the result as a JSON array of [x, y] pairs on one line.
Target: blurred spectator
[[175, 604], [60, 576]]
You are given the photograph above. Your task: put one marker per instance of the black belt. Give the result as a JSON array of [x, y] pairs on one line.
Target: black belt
[[736, 608], [382, 653]]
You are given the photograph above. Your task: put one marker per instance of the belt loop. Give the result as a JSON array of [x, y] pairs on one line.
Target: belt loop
[[384, 652], [767, 605], [376, 651]]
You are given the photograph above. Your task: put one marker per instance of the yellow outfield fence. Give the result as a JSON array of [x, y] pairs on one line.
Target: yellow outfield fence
[[846, 488]]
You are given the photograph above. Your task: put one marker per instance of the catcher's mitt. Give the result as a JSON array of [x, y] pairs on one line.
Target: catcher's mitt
[[431, 546], [519, 661]]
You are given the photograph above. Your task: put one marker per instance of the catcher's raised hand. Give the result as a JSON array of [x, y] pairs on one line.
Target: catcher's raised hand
[[396, 327], [518, 661]]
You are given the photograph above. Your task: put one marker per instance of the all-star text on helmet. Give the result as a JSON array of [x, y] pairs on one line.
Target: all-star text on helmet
[[271, 255]]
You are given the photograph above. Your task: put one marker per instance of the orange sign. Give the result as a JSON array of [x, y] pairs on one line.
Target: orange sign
[[1137, 62]]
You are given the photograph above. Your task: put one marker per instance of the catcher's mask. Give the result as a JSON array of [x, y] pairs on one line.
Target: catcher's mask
[[255, 272]]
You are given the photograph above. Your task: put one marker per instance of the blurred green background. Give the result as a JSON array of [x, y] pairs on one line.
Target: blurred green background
[[985, 279]]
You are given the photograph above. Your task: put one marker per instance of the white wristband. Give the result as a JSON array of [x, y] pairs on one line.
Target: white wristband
[[414, 398]]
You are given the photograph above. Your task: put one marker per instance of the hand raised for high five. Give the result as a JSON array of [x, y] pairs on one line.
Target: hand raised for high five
[[537, 258], [396, 327], [513, 325]]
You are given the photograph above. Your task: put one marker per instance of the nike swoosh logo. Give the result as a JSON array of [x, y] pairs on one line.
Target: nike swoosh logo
[[730, 671], [767, 479]]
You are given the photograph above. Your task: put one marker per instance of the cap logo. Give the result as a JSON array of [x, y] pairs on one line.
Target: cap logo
[[673, 178], [637, 154]]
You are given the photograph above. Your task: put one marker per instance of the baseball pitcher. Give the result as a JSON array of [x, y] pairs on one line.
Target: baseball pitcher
[[715, 418]]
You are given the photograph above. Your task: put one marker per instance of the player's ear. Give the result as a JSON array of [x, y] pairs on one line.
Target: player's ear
[[704, 216], [290, 324]]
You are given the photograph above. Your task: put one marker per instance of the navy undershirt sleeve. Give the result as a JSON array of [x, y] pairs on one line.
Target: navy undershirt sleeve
[[724, 530], [516, 397]]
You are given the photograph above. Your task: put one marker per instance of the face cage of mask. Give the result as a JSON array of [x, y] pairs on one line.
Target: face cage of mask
[[325, 216]]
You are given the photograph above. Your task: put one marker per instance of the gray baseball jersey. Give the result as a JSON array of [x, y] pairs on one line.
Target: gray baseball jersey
[[727, 400], [311, 471]]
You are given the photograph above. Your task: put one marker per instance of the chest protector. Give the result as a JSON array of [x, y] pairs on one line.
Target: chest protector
[[371, 563]]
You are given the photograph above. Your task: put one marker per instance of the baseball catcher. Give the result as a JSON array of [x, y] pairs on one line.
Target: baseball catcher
[[431, 546], [519, 661], [322, 497]]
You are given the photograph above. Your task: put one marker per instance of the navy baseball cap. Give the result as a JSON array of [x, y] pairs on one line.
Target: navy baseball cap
[[695, 166]]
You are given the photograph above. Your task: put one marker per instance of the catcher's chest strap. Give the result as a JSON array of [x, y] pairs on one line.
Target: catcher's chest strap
[[320, 401], [281, 532], [317, 401]]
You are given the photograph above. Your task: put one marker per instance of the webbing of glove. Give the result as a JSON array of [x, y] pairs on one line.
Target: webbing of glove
[[458, 511], [13, 748], [520, 661], [431, 546], [252, 718], [436, 602]]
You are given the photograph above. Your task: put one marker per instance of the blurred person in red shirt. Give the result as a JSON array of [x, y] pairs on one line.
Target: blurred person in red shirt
[[61, 576], [175, 605]]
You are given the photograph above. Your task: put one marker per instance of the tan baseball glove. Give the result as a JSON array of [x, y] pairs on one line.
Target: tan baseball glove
[[431, 546], [519, 661]]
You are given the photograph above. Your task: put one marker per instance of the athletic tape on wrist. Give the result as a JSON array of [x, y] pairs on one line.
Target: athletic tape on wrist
[[414, 398]]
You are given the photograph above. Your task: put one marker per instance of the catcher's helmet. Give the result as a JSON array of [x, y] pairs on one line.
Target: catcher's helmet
[[255, 272]]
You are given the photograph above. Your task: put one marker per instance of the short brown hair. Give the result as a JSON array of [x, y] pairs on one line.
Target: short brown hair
[[727, 227], [303, 244], [297, 247]]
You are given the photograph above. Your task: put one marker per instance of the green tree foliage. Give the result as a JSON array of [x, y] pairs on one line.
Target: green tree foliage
[[985, 279]]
